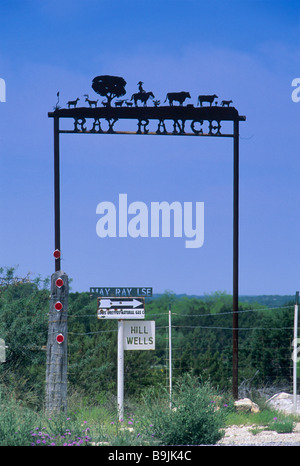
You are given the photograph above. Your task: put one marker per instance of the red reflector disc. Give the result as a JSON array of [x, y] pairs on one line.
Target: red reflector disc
[[58, 306], [59, 282], [57, 254], [60, 338]]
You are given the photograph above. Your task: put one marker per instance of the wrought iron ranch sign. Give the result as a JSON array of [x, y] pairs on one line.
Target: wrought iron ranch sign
[[151, 117], [173, 114]]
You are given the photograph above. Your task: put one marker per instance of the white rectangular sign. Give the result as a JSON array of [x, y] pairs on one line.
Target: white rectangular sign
[[139, 335], [121, 308], [121, 314]]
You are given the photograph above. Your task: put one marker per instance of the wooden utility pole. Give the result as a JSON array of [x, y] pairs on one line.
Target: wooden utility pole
[[56, 371]]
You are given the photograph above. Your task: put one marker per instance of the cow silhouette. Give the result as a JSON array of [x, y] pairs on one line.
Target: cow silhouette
[[226, 103], [206, 98], [177, 97]]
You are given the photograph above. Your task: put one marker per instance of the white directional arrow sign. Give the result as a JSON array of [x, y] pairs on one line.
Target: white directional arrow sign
[[130, 303], [121, 308]]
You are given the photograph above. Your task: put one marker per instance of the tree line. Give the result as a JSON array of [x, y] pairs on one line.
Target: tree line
[[201, 342]]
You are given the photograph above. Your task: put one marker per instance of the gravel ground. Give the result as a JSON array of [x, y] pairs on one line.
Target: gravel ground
[[241, 435]]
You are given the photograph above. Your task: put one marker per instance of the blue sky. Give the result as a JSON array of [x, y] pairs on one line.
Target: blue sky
[[247, 51]]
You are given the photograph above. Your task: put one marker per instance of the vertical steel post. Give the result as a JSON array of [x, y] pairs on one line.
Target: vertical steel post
[[235, 261], [295, 341], [56, 192], [120, 377], [170, 357]]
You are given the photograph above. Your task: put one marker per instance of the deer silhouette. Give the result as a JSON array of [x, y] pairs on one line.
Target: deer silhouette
[[72, 102]]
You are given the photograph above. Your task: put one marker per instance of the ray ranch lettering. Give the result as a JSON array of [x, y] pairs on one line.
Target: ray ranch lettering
[[162, 219], [198, 127]]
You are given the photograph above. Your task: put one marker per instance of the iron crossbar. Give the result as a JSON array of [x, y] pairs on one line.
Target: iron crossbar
[[145, 116]]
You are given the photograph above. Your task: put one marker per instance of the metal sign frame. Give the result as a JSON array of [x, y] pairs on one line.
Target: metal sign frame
[[203, 121]]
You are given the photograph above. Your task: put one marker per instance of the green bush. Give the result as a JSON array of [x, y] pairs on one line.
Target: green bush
[[15, 422], [60, 430], [282, 426], [125, 432], [192, 419], [20, 426]]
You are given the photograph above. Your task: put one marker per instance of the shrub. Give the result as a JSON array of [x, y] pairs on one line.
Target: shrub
[[282, 426], [20, 426], [125, 432], [15, 422], [60, 430], [192, 419]]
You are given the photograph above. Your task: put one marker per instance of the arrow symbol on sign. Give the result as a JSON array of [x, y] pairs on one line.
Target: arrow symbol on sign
[[107, 303]]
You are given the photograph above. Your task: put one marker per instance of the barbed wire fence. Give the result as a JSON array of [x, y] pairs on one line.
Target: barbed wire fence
[[265, 350], [265, 360]]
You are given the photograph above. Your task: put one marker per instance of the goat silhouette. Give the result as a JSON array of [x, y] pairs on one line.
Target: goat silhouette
[[72, 102]]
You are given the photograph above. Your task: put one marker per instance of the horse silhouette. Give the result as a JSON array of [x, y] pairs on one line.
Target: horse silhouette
[[142, 96]]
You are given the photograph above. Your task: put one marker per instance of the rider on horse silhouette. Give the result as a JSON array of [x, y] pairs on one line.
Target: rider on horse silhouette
[[140, 84]]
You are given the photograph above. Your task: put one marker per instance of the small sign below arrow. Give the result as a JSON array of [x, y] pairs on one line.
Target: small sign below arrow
[[124, 308]]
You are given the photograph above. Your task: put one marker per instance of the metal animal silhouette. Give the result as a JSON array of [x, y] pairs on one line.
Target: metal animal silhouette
[[226, 103], [119, 103], [142, 96], [206, 98], [114, 86], [90, 102], [177, 97], [72, 102]]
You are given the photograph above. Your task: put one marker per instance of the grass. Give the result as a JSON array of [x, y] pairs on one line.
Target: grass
[[127, 432], [266, 419], [143, 424]]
